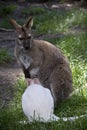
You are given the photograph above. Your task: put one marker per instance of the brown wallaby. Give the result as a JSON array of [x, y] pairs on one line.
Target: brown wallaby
[[43, 60]]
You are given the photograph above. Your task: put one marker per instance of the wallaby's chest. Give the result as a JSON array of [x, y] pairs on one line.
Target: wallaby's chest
[[30, 65], [31, 60]]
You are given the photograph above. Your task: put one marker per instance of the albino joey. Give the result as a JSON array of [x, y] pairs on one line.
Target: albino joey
[[37, 102]]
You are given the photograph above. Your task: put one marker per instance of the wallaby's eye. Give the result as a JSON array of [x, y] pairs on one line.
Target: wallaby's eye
[[29, 36], [20, 37]]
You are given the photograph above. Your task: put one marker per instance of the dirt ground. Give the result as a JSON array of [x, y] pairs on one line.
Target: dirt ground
[[10, 72]]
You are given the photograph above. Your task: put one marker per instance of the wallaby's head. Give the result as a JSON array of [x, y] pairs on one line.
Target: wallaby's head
[[24, 33]]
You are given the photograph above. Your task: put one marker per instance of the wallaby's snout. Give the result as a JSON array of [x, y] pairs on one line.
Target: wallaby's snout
[[26, 47]]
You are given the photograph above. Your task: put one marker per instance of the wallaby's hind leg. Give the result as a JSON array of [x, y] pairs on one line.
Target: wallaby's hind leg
[[61, 83]]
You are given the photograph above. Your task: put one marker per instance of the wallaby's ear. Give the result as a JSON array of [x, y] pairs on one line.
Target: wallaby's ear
[[15, 25], [29, 22]]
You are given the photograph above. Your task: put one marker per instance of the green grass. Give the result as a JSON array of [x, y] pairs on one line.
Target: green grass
[[5, 57], [74, 46], [6, 10], [60, 21], [5, 23], [34, 11]]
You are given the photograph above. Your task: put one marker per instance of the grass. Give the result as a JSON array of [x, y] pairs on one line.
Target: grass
[[74, 46], [5, 57], [60, 21], [5, 23], [5, 10], [34, 11]]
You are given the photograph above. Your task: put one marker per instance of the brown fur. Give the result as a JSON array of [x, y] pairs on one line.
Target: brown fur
[[46, 62]]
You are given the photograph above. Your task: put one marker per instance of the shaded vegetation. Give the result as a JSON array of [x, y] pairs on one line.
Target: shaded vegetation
[[33, 11], [5, 57], [7, 10]]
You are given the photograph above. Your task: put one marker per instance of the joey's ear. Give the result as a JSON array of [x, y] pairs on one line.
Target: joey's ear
[[36, 81], [15, 25], [29, 22], [29, 81]]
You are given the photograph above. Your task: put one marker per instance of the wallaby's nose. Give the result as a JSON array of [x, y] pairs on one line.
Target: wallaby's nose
[[26, 48]]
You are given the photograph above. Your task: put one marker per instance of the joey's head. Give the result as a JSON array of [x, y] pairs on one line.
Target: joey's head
[[24, 35], [33, 81]]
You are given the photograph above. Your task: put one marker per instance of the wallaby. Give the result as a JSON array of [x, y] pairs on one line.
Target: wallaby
[[38, 104], [43, 60]]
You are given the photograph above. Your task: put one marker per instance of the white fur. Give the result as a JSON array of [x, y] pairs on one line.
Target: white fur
[[25, 60], [38, 104]]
